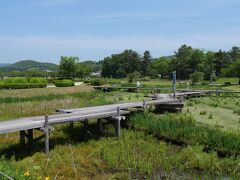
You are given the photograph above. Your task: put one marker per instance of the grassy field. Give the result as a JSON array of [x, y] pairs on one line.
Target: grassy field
[[222, 112], [154, 146], [45, 91]]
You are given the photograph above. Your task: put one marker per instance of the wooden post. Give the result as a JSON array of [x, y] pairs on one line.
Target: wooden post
[[100, 128], [182, 98], [46, 131], [22, 138], [118, 124], [144, 104], [30, 136], [118, 112]]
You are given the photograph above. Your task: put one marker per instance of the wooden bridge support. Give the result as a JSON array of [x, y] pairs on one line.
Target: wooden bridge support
[[46, 131], [22, 137], [100, 126], [117, 127], [118, 123], [26, 135]]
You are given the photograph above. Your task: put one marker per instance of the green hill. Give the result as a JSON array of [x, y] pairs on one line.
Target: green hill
[[30, 65], [3, 64], [94, 66]]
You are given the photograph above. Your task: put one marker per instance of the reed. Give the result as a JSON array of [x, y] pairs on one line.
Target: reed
[[184, 130]]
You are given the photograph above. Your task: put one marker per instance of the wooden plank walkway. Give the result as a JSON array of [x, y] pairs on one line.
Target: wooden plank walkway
[[112, 112], [38, 122], [212, 91]]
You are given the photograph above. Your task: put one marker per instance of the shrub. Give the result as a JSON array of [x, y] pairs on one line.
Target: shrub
[[236, 111], [196, 76], [22, 85], [203, 112], [86, 81], [133, 76], [210, 116], [38, 80], [19, 80], [97, 82], [64, 83]]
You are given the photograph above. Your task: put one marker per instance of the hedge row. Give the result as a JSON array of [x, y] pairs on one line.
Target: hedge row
[[22, 85], [64, 83], [17, 80]]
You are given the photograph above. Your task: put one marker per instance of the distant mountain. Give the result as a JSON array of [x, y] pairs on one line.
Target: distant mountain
[[3, 64], [29, 65]]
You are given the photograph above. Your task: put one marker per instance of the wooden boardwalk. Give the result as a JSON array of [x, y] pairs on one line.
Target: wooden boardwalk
[[210, 91], [113, 113]]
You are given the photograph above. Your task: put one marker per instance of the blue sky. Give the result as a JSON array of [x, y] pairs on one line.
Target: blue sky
[[44, 30]]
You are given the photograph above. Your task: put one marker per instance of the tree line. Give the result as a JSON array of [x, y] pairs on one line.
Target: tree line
[[186, 61]]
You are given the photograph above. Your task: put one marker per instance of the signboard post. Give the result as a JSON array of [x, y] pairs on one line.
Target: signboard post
[[174, 83]]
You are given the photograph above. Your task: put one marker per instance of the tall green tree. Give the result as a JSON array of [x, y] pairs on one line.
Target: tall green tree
[[83, 71], [181, 62], [234, 70], [131, 61], [68, 67], [221, 60], [235, 53], [161, 67], [119, 65], [197, 58], [145, 63]]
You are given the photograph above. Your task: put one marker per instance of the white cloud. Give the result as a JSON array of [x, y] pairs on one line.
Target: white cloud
[[99, 47]]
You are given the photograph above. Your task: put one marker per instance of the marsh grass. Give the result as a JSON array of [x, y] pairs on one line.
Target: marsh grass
[[184, 130], [135, 155]]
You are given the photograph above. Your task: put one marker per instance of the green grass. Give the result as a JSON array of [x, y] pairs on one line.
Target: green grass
[[45, 92], [182, 129], [135, 155], [232, 88], [223, 80], [221, 117], [161, 146], [26, 106], [10, 171]]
